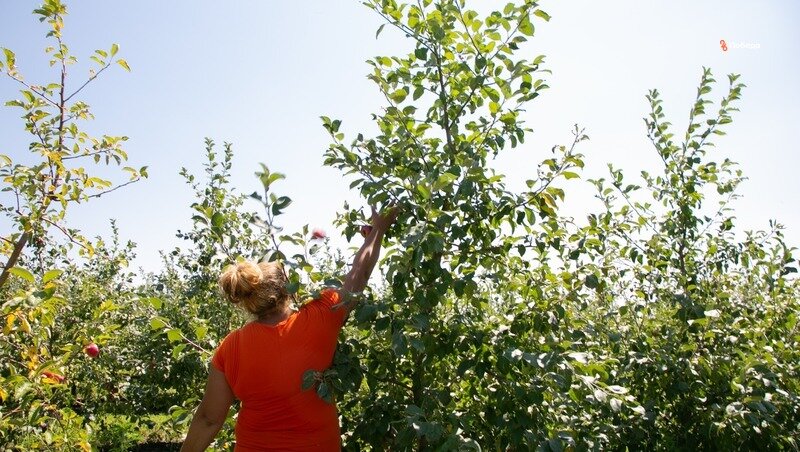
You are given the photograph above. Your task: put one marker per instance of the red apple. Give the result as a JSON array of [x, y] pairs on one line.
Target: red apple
[[365, 230], [92, 350], [318, 234], [53, 376]]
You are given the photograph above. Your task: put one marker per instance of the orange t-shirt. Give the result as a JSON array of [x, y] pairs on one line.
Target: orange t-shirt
[[264, 365]]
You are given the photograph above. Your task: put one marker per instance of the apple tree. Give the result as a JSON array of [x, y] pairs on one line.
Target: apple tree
[[452, 104], [62, 169]]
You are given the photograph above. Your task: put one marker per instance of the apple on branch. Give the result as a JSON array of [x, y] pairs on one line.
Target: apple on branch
[[92, 350]]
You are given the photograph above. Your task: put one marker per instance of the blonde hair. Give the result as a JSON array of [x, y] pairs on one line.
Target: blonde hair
[[259, 288]]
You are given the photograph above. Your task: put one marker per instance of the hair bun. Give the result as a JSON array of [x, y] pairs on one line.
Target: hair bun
[[259, 288], [240, 280]]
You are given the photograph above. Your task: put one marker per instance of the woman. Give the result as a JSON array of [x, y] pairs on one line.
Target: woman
[[263, 362]]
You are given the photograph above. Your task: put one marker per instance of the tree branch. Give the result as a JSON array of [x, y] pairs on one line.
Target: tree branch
[[34, 90], [97, 195], [70, 157], [65, 232], [12, 260], [87, 82]]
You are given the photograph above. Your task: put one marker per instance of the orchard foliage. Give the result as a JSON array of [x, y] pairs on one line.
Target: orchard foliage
[[500, 324], [507, 325], [44, 375], [37, 196]]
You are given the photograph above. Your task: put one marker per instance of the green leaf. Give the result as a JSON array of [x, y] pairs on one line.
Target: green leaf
[[280, 204], [114, 49], [10, 57], [324, 392], [50, 275], [424, 191], [177, 350], [200, 331], [309, 378], [380, 29], [217, 220], [542, 14], [382, 323], [157, 323], [555, 445], [525, 26], [399, 95], [22, 273], [292, 287], [274, 177], [399, 345], [124, 64], [592, 282], [155, 302], [458, 287], [444, 180], [174, 335]]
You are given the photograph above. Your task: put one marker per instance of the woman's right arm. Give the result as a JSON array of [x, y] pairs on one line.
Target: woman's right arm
[[211, 414]]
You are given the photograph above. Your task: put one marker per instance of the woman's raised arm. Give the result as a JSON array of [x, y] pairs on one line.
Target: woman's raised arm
[[366, 257]]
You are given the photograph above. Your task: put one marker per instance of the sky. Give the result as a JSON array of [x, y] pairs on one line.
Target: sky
[[259, 74]]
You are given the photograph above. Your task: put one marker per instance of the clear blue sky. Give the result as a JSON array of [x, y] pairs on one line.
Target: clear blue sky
[[260, 73]]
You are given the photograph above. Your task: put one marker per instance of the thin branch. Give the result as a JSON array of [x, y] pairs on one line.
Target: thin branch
[[413, 137], [635, 209], [183, 336], [65, 232], [38, 133], [466, 28], [16, 195], [469, 98], [391, 194], [97, 195], [54, 175], [404, 29], [445, 105], [578, 137], [192, 343], [722, 208], [70, 157], [510, 35], [489, 126], [87, 82], [35, 91], [270, 223]]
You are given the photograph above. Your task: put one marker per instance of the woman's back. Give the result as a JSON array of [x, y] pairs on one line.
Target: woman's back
[[264, 365]]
